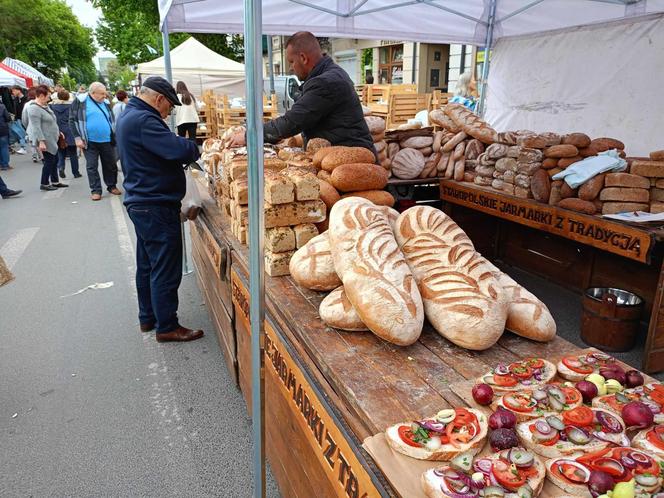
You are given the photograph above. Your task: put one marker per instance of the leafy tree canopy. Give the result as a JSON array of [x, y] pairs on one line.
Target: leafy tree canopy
[[47, 35]]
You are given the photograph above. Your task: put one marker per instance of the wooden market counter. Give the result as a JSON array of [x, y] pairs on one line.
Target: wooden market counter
[[575, 250], [327, 390]]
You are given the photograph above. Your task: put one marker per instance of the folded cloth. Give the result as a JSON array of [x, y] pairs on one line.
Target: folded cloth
[[580, 172]]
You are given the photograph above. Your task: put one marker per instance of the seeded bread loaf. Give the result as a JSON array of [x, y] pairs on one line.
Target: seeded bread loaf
[[347, 155], [356, 177]]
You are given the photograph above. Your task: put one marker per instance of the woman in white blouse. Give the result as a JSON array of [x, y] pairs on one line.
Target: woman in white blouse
[[186, 115]]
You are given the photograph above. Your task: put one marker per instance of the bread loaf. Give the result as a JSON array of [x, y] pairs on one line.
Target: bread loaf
[[416, 142], [650, 169], [459, 169], [240, 191], [657, 155], [588, 152], [484, 181], [521, 180], [553, 172], [578, 140], [328, 194], [320, 154], [602, 144], [337, 312], [623, 207], [426, 151], [508, 188], [560, 151], [462, 299], [527, 168], [484, 160], [568, 161], [590, 190], [522, 192], [626, 180], [324, 175], [541, 186], [471, 123], [498, 184], [407, 164], [454, 141], [509, 177], [514, 151], [473, 149], [449, 171], [624, 194], [295, 141], [469, 176], [316, 144], [378, 197], [566, 191], [355, 177], [312, 267], [276, 263], [578, 205], [304, 233], [392, 149], [278, 189], [657, 195], [376, 124], [381, 148], [437, 141], [657, 207], [506, 164], [439, 118], [532, 141], [347, 155], [306, 184], [485, 171], [530, 156], [507, 138], [279, 239], [555, 197], [294, 213], [551, 138], [442, 162], [550, 162], [496, 151], [378, 137], [376, 279]]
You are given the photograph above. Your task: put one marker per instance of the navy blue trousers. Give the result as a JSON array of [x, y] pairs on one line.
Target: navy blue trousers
[[158, 263]]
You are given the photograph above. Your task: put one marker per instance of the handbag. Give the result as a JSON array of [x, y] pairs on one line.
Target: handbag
[[109, 122], [62, 142]]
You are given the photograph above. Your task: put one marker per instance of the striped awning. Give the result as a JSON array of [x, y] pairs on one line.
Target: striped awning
[[27, 70]]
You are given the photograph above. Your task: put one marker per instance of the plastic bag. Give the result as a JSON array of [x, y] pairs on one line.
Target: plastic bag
[[192, 202]]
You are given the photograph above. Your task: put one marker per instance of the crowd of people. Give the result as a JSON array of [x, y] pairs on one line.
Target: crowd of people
[[54, 125]]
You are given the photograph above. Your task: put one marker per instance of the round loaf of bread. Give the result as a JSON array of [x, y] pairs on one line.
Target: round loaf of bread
[[347, 155], [315, 144], [392, 149], [408, 164], [376, 124], [416, 142], [358, 176], [312, 266], [328, 194], [338, 312], [378, 197]]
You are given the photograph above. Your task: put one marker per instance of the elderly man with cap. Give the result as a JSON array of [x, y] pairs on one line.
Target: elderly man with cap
[[152, 159]]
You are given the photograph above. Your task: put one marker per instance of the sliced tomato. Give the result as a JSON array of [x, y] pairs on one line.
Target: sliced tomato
[[521, 370], [581, 416], [505, 380], [573, 363], [572, 395], [507, 475], [406, 435], [570, 472], [656, 436], [651, 468], [463, 428], [656, 394], [608, 465], [553, 441], [535, 362], [519, 402]]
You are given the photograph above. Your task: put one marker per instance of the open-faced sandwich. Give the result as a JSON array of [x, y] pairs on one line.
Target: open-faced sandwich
[[579, 430], [603, 470], [651, 440], [449, 433], [514, 472], [576, 368], [549, 399], [650, 394], [519, 375]]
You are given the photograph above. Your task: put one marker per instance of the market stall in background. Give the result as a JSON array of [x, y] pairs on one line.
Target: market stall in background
[[398, 359]]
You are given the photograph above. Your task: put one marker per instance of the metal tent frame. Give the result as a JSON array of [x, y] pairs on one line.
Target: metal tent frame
[[254, 82]]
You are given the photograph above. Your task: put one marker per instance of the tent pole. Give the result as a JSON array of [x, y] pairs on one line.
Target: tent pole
[[487, 52], [270, 65], [254, 70]]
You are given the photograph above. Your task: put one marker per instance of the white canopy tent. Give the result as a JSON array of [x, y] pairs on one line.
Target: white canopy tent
[[200, 68], [9, 79], [28, 70], [476, 22]]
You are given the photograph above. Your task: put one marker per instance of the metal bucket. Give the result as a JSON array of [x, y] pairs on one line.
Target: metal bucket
[[610, 318]]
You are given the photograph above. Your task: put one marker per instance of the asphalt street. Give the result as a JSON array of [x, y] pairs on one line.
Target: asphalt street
[[90, 406]]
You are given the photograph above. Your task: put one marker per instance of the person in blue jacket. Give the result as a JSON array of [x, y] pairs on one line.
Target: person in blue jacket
[[152, 159]]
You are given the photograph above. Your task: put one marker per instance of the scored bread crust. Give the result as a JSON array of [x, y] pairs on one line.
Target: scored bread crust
[[549, 372], [463, 300], [561, 449], [374, 272], [431, 482], [447, 451], [338, 312]]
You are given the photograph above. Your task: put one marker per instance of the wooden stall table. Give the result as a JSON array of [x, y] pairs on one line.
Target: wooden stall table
[[575, 250], [328, 391]]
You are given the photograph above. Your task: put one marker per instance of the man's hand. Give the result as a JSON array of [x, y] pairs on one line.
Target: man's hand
[[42, 146], [238, 139], [80, 143]]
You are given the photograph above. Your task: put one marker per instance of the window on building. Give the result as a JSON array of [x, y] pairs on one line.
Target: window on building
[[390, 65]]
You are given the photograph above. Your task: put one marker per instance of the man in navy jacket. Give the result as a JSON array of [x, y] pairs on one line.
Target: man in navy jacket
[[152, 160]]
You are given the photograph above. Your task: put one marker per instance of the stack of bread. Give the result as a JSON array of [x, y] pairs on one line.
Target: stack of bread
[[652, 170], [377, 129], [387, 271]]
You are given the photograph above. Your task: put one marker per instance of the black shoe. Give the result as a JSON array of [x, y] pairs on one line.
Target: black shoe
[[47, 187], [59, 185], [77, 175], [62, 174], [11, 193]]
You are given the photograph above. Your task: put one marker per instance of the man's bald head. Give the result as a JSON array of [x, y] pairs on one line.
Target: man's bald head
[[303, 52]]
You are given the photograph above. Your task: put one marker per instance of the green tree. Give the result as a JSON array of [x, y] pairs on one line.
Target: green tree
[[47, 35], [68, 82], [130, 29], [120, 76]]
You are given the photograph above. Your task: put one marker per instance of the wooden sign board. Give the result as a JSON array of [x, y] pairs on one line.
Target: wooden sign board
[[212, 249], [610, 236], [321, 430]]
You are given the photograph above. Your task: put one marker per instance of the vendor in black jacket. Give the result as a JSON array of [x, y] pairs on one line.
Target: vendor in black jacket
[[152, 162], [328, 107]]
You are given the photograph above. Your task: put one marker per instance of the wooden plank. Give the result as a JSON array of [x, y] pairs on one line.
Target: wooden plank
[[611, 236], [653, 358]]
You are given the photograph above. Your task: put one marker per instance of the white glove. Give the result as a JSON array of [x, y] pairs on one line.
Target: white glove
[[580, 172]]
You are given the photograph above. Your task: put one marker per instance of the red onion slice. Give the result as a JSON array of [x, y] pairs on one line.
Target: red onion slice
[[542, 427], [584, 470], [640, 458], [483, 465], [609, 422], [628, 462], [502, 369]]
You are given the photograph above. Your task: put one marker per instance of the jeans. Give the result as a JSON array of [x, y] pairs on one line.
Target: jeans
[[73, 159], [50, 168], [4, 190], [188, 129], [158, 263], [16, 129], [109, 168], [4, 151]]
